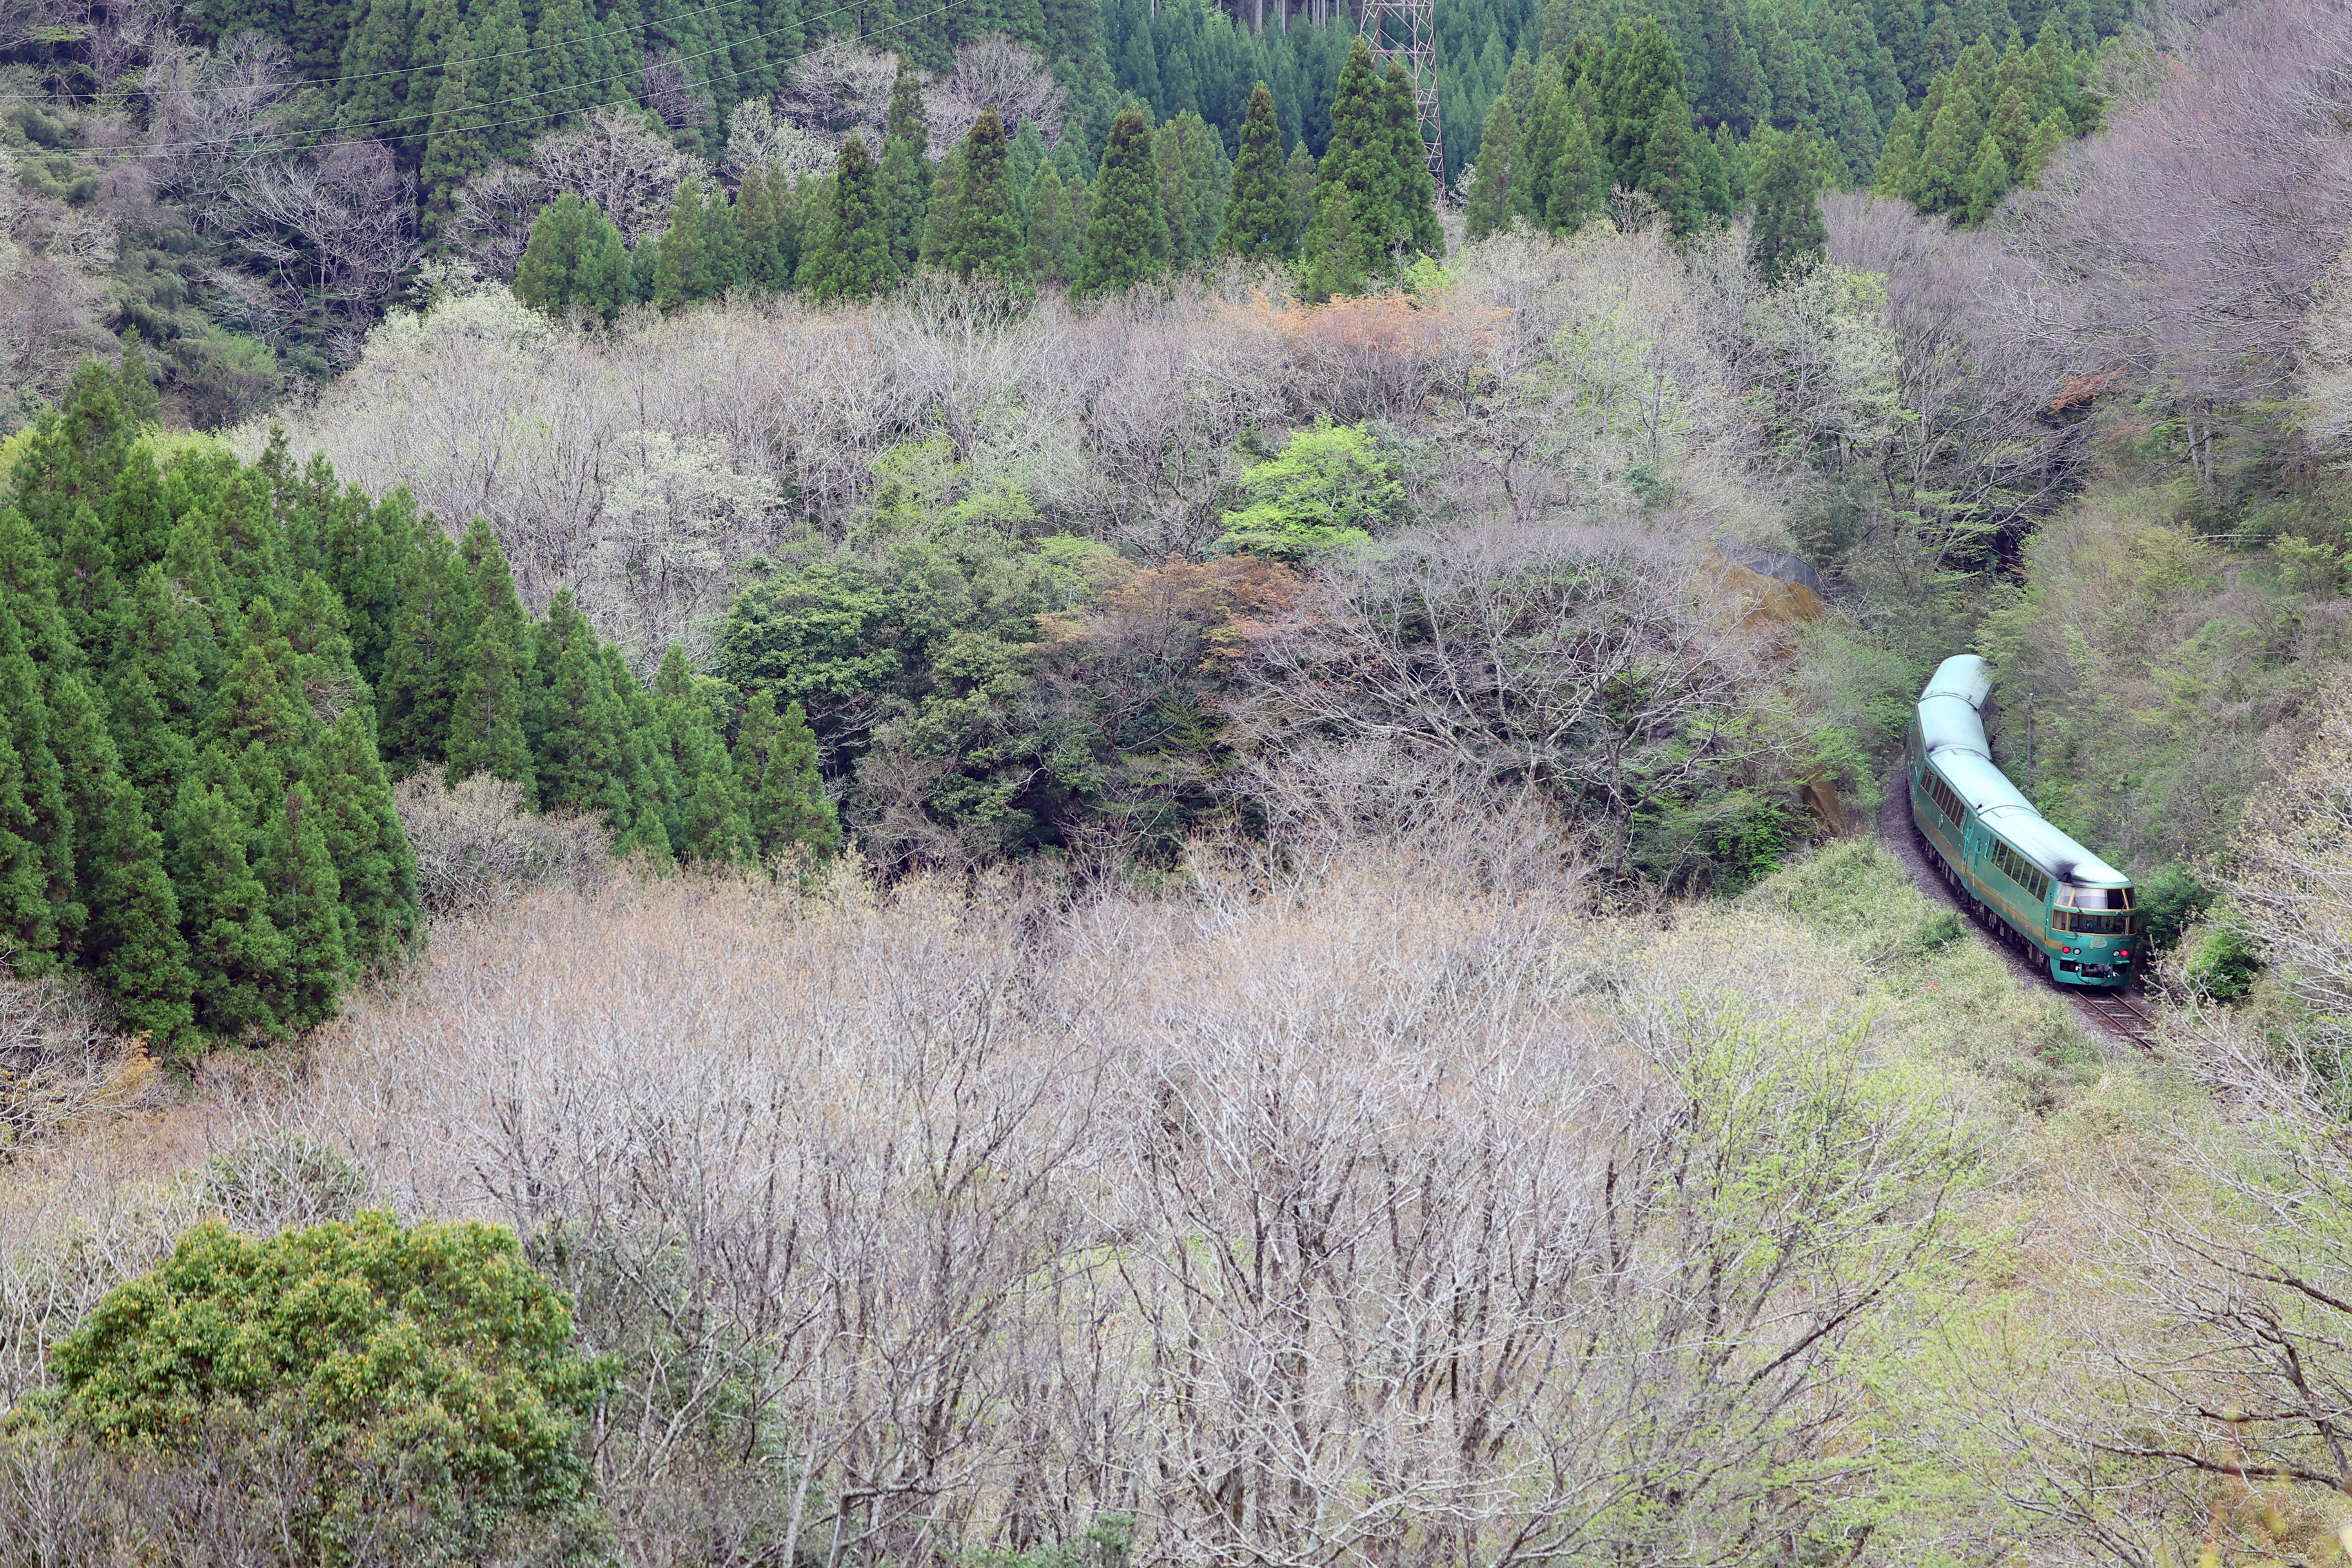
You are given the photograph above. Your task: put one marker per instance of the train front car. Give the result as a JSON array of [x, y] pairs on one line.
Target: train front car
[[2045, 891]]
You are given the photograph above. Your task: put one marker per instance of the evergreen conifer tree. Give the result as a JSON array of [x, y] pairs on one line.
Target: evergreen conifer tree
[[1258, 219], [373, 83], [905, 176], [433, 36], [1640, 69], [1361, 162], [456, 144], [133, 948], [1416, 186], [983, 235], [236, 957], [505, 71], [940, 208], [346, 784], [1488, 209], [1543, 132], [706, 822], [1788, 234], [1939, 180], [777, 779], [1029, 155], [1670, 173], [26, 927], [850, 255], [761, 228], [2013, 124], [1987, 179], [682, 248], [2052, 134], [566, 79], [1895, 169], [306, 910], [485, 723], [543, 279], [578, 757], [1055, 237], [426, 665], [1127, 234], [1579, 179]]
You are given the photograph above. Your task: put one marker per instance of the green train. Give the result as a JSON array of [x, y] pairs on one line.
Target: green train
[[2032, 883]]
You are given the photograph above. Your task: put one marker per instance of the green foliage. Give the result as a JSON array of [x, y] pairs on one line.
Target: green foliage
[[1989, 122], [1789, 234], [1127, 233], [574, 260], [2170, 901], [1328, 488], [981, 235], [777, 778], [2222, 964], [1056, 233], [1488, 209], [849, 258], [1259, 220], [1373, 192], [433, 1357]]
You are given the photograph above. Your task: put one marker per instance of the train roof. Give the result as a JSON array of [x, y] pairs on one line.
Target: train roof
[[1951, 731]]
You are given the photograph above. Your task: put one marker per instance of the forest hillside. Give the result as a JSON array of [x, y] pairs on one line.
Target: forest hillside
[[983, 788]]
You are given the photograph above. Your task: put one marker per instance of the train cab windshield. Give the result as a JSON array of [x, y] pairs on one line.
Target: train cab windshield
[[2098, 911]]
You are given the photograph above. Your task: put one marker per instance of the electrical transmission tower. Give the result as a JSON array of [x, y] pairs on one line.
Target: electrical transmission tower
[[1406, 30]]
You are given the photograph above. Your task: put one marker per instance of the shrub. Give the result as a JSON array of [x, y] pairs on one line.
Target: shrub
[[1328, 488], [283, 1178], [2221, 964], [480, 844], [429, 1368]]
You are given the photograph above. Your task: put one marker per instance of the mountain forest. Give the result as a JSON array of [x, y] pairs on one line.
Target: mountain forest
[[1037, 785]]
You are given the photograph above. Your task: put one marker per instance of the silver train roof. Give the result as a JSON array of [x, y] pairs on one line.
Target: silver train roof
[[1951, 729]]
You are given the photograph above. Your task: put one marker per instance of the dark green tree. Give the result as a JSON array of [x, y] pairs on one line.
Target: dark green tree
[[1258, 219], [1580, 182], [777, 779], [504, 72], [1988, 180], [574, 259], [1789, 234], [458, 144], [1417, 227], [566, 77], [1127, 234], [1056, 238], [1488, 209], [426, 665], [373, 83], [849, 258], [236, 953], [1669, 167], [486, 721], [706, 821], [1641, 69], [1939, 180], [906, 169], [306, 910], [983, 237], [578, 757]]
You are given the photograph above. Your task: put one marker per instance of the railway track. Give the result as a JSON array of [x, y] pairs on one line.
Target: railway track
[[2121, 1014]]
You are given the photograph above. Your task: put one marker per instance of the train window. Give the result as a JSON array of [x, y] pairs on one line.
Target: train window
[[2096, 898], [2095, 922]]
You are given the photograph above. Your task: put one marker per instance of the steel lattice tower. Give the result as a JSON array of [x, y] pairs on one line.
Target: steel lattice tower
[[1406, 30]]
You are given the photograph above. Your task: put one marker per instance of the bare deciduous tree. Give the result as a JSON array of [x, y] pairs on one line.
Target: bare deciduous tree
[[616, 161], [994, 72]]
